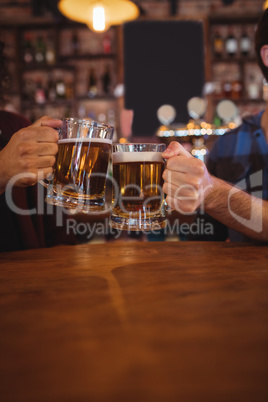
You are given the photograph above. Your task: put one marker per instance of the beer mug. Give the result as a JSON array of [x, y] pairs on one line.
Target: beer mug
[[138, 198], [80, 172]]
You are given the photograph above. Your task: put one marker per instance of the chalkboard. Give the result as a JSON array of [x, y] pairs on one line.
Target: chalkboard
[[163, 64]]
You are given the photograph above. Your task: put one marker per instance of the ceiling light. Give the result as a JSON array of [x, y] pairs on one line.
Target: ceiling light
[[99, 15]]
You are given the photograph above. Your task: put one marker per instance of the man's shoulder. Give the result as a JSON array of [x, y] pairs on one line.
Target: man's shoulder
[[225, 145], [13, 118], [10, 122]]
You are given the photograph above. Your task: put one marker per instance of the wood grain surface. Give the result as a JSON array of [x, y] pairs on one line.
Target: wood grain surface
[[135, 322]]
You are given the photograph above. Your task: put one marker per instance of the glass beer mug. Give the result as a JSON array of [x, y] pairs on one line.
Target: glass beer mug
[[138, 198], [80, 172]]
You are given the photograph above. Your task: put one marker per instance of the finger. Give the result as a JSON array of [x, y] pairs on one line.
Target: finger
[[174, 177], [48, 121], [184, 192], [45, 173], [46, 162], [44, 134], [29, 179], [184, 164], [37, 134], [45, 149], [174, 149], [182, 178], [184, 207]]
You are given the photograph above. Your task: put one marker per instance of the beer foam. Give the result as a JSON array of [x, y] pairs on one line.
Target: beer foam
[[127, 157], [87, 140]]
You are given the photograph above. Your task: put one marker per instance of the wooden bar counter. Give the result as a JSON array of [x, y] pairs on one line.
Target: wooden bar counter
[[135, 322]]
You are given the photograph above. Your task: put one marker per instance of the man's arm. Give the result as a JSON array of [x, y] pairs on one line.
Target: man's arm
[[238, 210], [188, 185], [30, 150]]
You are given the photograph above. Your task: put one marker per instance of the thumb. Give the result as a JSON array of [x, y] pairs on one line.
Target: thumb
[[175, 149]]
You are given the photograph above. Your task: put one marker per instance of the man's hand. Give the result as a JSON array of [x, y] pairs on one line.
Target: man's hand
[[187, 180], [30, 150]]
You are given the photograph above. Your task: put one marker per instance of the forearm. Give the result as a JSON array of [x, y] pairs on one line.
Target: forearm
[[238, 210]]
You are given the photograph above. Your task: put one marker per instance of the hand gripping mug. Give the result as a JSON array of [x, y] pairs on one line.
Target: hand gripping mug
[[80, 172], [138, 199]]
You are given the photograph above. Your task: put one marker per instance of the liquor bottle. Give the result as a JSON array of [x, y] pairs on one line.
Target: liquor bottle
[[218, 89], [107, 44], [60, 88], [227, 89], [106, 81], [28, 53], [29, 87], [40, 50], [236, 88], [92, 84], [39, 96], [245, 44], [231, 45], [51, 89], [253, 89], [74, 43], [218, 45], [50, 52], [69, 89]]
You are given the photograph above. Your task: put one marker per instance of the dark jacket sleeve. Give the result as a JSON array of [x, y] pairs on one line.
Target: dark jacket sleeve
[[20, 231]]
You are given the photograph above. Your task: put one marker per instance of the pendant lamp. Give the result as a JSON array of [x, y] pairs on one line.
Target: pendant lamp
[[99, 15]]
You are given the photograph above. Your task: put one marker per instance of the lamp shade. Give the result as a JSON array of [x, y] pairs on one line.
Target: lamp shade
[[116, 11]]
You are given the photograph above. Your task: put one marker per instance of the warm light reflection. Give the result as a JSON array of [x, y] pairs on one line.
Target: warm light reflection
[[99, 18]]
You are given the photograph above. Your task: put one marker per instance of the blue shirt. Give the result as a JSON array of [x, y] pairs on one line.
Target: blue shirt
[[240, 157]]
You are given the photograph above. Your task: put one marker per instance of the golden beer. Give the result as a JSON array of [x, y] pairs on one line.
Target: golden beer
[[81, 168], [79, 175], [140, 196]]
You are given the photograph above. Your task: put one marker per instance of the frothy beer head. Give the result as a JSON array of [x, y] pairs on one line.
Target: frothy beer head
[[85, 140], [141, 157]]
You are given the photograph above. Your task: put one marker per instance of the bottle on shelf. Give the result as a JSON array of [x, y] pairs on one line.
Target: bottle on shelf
[[92, 84], [74, 43], [50, 52], [69, 89], [40, 50], [29, 86], [39, 96], [106, 81], [236, 88], [231, 44], [245, 44], [60, 87], [253, 88], [107, 44], [28, 51], [227, 89], [217, 89], [218, 45], [51, 89]]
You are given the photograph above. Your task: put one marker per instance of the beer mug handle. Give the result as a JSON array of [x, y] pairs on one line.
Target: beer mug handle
[[45, 182]]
